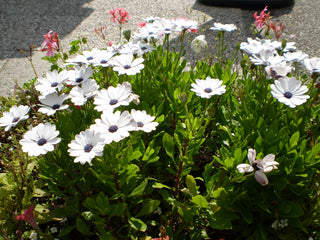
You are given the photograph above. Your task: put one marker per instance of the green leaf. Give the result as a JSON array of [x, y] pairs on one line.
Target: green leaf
[[139, 190], [168, 144], [191, 184], [294, 139], [83, 227], [200, 201], [148, 207], [117, 210], [137, 224], [160, 185]]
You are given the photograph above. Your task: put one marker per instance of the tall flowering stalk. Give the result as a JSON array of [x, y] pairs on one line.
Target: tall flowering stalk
[[121, 16]]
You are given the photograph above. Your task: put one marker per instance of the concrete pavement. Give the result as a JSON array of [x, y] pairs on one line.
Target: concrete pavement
[[24, 22]]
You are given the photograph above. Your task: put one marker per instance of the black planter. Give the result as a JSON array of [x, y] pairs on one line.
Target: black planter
[[248, 3]]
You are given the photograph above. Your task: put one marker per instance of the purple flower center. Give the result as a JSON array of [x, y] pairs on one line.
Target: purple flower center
[[126, 66], [89, 58], [113, 102], [255, 167], [208, 90], [56, 106], [140, 124], [16, 119], [103, 61], [79, 80], [288, 95], [143, 48], [54, 84], [88, 147], [42, 141], [113, 128]]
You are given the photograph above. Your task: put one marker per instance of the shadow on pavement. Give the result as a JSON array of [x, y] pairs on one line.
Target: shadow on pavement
[[24, 22]]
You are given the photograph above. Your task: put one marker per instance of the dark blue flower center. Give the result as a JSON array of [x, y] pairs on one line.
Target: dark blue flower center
[[88, 147], [143, 48], [103, 61], [16, 119], [42, 141], [126, 66], [54, 84], [140, 124], [288, 94], [255, 167], [79, 80], [167, 29], [113, 128], [208, 90], [113, 102], [56, 106], [89, 58]]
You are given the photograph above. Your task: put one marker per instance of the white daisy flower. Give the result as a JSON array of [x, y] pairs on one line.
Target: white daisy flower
[[113, 97], [150, 31], [87, 57], [289, 91], [312, 64], [86, 146], [198, 43], [266, 57], [79, 75], [279, 70], [166, 25], [208, 87], [255, 46], [182, 24], [297, 56], [142, 48], [103, 58], [114, 126], [40, 139], [125, 64], [223, 27], [267, 164], [52, 103], [143, 121], [53, 82], [80, 95], [14, 116]]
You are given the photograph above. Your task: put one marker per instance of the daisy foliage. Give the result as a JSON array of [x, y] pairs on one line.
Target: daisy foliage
[[179, 162]]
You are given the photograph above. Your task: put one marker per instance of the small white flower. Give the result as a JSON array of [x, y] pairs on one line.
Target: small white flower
[[267, 164], [79, 75], [166, 25], [312, 64], [87, 57], [52, 103], [53, 229], [142, 48], [40, 139], [223, 27], [289, 91], [144, 121], [198, 43], [114, 126], [208, 87], [103, 58], [53, 82], [80, 95], [150, 32], [33, 236], [86, 146], [125, 64], [267, 56], [113, 97], [14, 116]]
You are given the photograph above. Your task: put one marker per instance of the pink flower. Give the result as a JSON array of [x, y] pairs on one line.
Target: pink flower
[[263, 18], [27, 216], [51, 43], [121, 18], [142, 24], [277, 30]]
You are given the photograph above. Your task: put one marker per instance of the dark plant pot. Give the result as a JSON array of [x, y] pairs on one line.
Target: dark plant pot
[[249, 3]]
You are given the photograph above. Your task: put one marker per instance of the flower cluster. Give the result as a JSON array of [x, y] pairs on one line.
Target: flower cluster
[[51, 43], [120, 15]]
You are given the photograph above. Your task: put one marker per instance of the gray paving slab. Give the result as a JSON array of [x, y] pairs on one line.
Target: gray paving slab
[[24, 22]]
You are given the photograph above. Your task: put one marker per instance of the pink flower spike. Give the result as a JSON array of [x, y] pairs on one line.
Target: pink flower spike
[[27, 216], [263, 18]]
